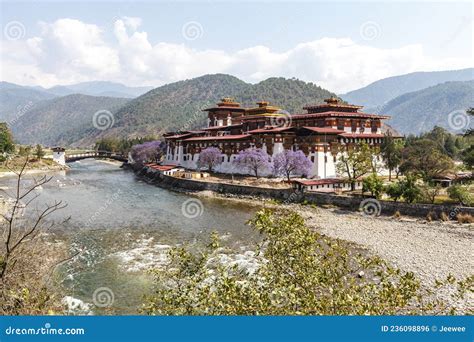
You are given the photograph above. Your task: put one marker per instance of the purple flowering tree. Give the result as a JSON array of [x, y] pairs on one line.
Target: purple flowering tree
[[210, 158], [151, 151], [255, 160], [289, 162]]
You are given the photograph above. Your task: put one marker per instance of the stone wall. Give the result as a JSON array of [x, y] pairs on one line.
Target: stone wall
[[291, 195]]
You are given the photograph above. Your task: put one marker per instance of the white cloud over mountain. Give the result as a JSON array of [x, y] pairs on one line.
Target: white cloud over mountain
[[70, 51]]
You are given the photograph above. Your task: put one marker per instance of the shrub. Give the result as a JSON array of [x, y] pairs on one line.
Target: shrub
[[443, 216], [428, 193], [373, 184], [465, 218], [394, 191], [460, 194], [300, 272], [431, 216]]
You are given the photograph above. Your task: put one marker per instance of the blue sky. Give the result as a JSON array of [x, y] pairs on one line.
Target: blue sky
[[338, 45]]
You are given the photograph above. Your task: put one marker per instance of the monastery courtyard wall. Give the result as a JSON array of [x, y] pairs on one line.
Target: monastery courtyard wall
[[295, 196]]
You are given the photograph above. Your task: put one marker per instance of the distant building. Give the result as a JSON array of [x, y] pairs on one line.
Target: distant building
[[324, 131], [59, 155]]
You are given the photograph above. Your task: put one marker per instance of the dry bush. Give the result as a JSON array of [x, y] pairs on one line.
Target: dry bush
[[431, 216], [27, 258], [29, 288], [464, 218], [443, 216]]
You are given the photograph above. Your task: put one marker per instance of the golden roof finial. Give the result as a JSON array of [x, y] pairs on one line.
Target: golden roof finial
[[332, 100]]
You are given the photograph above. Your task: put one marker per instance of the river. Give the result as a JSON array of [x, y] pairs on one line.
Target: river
[[122, 226]]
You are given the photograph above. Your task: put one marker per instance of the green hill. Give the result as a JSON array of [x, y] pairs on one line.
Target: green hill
[[380, 92], [179, 105], [16, 100], [62, 121], [420, 111]]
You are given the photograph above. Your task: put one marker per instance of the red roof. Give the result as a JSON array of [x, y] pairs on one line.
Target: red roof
[[271, 130], [324, 130], [179, 136], [321, 181], [340, 114], [361, 135], [221, 127], [222, 137], [231, 108], [162, 167], [331, 105]]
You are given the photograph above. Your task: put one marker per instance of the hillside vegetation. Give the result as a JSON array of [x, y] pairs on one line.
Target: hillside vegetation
[[16, 100], [420, 111], [62, 121], [179, 105], [384, 90]]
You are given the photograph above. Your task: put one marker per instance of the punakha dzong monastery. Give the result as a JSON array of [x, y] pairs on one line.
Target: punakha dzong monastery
[[322, 132]]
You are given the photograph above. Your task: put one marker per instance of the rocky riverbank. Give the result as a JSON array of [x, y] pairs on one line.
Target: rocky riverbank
[[431, 250], [34, 167]]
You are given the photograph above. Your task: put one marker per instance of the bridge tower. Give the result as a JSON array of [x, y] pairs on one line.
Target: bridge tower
[[59, 155]]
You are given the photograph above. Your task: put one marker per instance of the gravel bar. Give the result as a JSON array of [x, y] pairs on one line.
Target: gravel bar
[[432, 250]]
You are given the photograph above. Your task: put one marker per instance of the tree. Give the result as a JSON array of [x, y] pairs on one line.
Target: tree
[[24, 151], [394, 191], [298, 272], [410, 190], [391, 151], [450, 146], [290, 162], [468, 157], [6, 139], [470, 132], [429, 193], [210, 158], [25, 260], [355, 162], [39, 153], [460, 194], [255, 160], [423, 158], [151, 151], [373, 184]]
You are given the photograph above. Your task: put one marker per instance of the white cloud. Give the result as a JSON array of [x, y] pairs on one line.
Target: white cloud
[[68, 51]]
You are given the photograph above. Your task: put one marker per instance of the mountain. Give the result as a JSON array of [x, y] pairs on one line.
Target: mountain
[[99, 88], [179, 105], [380, 92], [16, 100], [420, 111], [63, 120]]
